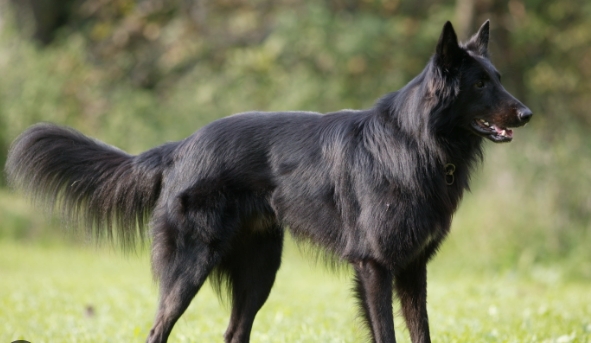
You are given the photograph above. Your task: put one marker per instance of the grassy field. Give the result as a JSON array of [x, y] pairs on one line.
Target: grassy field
[[64, 293]]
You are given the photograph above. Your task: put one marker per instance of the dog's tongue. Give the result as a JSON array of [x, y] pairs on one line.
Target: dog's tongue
[[504, 132]]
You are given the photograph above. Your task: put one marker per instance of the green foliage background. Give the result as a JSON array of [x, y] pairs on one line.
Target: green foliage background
[[138, 73]]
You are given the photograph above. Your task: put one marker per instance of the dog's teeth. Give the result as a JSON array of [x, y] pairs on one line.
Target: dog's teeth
[[503, 133], [486, 123]]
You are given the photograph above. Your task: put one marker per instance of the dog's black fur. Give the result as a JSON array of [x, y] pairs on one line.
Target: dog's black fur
[[376, 187]]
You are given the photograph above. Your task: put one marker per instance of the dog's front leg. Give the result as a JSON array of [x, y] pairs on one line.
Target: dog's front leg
[[374, 290], [411, 286]]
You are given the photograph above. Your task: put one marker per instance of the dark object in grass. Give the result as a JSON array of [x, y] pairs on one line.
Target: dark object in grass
[[375, 187]]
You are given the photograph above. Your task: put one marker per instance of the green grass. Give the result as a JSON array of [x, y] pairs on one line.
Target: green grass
[[46, 292]]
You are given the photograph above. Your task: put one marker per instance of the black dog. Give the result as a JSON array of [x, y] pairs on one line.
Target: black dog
[[377, 188]]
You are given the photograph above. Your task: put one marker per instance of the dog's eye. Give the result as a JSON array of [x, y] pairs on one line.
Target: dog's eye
[[479, 84]]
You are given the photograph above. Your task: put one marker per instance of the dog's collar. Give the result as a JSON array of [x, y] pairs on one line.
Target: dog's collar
[[450, 169]]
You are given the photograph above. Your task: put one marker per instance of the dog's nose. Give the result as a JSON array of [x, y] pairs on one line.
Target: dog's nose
[[524, 114]]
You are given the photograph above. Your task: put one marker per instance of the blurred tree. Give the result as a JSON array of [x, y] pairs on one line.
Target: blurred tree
[[544, 45], [40, 19]]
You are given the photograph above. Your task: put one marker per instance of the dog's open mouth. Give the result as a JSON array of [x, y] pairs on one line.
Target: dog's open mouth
[[493, 132]]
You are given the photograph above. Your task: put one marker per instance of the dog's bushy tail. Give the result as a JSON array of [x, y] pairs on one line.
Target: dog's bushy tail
[[93, 184]]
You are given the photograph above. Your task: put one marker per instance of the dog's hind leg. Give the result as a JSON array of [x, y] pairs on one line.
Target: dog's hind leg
[[180, 279], [411, 286], [250, 267], [374, 290], [188, 241]]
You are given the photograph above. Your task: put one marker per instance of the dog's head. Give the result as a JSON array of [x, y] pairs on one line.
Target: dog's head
[[481, 105]]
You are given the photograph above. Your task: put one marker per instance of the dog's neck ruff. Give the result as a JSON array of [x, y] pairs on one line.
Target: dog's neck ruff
[[450, 169]]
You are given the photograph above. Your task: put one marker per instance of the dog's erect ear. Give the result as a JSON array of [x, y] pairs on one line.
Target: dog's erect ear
[[479, 42], [448, 52]]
